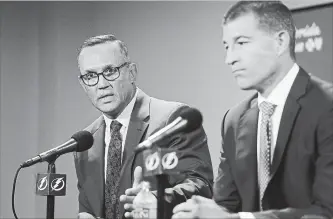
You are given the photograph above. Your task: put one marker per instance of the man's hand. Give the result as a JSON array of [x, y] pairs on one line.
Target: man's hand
[[85, 215], [130, 194], [200, 208]]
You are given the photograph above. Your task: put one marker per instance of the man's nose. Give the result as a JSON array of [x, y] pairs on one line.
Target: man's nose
[[102, 82], [231, 57]]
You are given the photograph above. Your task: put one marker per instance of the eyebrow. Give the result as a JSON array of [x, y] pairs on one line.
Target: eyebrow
[[238, 37], [88, 71], [103, 70]]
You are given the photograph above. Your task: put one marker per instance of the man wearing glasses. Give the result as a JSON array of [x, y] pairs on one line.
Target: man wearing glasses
[[129, 116]]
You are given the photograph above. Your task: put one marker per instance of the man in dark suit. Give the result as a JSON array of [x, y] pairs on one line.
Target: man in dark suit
[[129, 117], [277, 148]]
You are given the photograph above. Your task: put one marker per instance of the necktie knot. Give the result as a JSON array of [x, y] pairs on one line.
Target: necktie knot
[[115, 126], [267, 108]]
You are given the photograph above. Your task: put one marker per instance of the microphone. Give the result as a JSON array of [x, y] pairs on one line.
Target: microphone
[[188, 120], [80, 141]]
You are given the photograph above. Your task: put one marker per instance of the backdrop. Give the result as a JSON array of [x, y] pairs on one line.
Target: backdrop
[[180, 57], [314, 44]]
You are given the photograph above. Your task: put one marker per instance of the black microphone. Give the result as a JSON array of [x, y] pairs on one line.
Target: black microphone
[[80, 141], [189, 119]]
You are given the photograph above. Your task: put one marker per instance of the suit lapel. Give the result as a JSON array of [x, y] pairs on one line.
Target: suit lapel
[[289, 115], [246, 152], [134, 135], [137, 126], [95, 167]]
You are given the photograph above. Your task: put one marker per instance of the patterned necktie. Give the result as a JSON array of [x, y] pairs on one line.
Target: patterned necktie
[[112, 210], [264, 171]]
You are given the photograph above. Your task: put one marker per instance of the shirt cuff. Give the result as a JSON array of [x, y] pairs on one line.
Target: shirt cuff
[[246, 215]]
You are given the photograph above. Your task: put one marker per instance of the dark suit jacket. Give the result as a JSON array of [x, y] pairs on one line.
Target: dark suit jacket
[[148, 116], [302, 168]]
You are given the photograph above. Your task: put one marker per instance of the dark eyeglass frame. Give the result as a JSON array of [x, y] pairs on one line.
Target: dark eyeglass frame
[[115, 69]]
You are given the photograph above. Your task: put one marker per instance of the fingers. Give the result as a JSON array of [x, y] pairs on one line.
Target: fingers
[[129, 195], [85, 215], [200, 199], [126, 199], [132, 191], [183, 215], [137, 176], [187, 206], [128, 207], [128, 214]]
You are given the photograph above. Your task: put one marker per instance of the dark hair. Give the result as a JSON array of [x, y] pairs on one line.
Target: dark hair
[[95, 40], [273, 16]]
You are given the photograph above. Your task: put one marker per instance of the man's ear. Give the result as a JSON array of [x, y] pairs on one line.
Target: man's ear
[[282, 42], [133, 72]]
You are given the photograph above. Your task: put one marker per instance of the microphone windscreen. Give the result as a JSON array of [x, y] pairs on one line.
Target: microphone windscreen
[[84, 140], [193, 117]]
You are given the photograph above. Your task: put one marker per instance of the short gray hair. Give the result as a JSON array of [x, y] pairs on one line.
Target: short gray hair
[[95, 40]]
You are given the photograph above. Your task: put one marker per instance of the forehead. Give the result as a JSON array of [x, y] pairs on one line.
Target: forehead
[[97, 56], [245, 25]]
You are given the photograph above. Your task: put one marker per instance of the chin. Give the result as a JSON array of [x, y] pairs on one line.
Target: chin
[[245, 86], [108, 108]]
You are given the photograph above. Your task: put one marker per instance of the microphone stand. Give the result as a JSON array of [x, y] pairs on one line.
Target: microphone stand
[[161, 180], [50, 198]]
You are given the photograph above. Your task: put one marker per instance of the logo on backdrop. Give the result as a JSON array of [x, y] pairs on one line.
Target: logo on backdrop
[[309, 39]]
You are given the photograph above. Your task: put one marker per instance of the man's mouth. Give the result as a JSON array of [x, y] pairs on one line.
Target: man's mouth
[[237, 71], [105, 96]]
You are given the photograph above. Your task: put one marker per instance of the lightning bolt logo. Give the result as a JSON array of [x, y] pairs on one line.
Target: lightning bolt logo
[[58, 184], [170, 160], [42, 184], [152, 161]]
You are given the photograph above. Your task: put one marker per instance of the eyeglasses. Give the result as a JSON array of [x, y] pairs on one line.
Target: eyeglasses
[[110, 74]]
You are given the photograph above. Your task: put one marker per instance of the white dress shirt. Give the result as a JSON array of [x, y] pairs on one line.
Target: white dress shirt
[[278, 96], [124, 119]]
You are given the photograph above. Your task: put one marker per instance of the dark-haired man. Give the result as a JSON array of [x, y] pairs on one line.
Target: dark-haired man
[[129, 117], [277, 148]]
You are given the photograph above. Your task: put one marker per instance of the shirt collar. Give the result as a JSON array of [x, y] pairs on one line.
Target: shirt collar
[[279, 94], [125, 115]]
